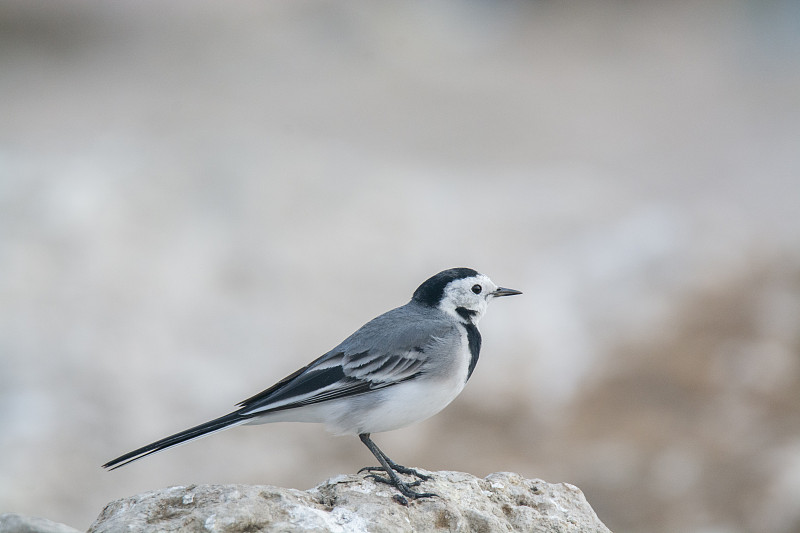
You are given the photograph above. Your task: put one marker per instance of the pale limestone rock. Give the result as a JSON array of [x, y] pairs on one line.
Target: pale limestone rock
[[351, 503], [17, 523]]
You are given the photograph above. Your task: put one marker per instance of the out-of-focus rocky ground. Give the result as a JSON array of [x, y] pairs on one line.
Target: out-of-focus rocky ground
[[196, 198]]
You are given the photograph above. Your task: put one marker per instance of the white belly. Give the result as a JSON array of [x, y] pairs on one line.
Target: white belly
[[399, 406]]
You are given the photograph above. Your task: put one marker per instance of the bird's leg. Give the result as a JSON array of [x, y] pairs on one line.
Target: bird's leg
[[391, 469], [397, 468]]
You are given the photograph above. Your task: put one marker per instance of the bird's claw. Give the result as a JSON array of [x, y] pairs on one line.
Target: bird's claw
[[404, 488], [388, 481], [411, 472], [400, 469]]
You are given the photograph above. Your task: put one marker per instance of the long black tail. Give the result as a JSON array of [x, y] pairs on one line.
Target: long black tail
[[218, 424]]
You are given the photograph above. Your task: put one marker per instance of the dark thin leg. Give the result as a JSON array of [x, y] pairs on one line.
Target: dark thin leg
[[397, 468], [388, 466]]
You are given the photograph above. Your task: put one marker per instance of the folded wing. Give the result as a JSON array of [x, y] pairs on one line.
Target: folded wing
[[359, 364]]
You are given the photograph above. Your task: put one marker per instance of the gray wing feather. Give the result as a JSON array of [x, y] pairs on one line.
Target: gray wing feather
[[385, 367], [392, 348], [387, 350]]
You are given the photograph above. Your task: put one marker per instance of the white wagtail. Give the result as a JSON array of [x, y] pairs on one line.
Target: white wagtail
[[399, 368]]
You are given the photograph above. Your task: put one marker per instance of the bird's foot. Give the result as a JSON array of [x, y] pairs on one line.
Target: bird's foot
[[404, 488], [391, 469], [399, 469], [388, 481]]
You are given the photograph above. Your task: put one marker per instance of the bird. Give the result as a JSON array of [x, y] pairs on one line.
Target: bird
[[399, 368]]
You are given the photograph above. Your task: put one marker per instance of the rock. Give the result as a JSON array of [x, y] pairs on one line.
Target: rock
[[17, 523], [353, 503]]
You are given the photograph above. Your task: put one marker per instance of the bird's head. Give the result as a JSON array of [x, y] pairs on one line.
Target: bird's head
[[460, 292]]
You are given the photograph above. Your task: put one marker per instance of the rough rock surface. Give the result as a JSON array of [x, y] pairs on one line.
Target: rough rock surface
[[500, 502], [17, 523]]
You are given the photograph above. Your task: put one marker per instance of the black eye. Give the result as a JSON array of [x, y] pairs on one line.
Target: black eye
[[477, 289]]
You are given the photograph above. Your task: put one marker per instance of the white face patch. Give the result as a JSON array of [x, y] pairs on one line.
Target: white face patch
[[470, 296]]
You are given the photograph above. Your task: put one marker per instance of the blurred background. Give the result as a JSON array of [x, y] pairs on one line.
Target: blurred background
[[198, 197]]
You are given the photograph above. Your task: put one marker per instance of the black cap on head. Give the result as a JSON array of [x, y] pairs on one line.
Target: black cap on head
[[431, 291]]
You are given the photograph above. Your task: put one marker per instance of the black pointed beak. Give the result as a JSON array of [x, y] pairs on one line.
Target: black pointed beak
[[502, 291]]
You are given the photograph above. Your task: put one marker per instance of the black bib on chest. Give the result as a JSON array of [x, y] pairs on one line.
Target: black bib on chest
[[473, 338]]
